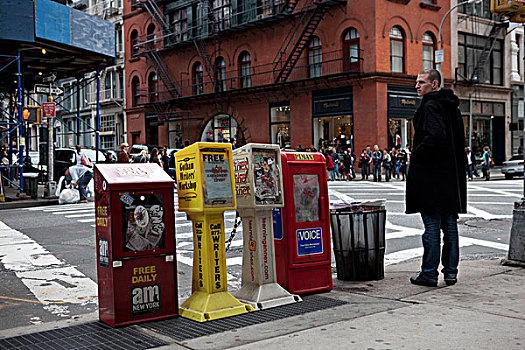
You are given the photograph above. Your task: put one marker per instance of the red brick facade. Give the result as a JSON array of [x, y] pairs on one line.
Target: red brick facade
[[250, 107]]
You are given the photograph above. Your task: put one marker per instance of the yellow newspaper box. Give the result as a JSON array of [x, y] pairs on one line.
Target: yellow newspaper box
[[205, 187]]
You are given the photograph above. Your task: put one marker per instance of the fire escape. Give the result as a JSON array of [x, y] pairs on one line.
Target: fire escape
[[297, 40], [478, 73], [305, 17]]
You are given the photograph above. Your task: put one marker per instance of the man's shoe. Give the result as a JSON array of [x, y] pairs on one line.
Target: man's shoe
[[83, 201], [450, 281], [421, 281]]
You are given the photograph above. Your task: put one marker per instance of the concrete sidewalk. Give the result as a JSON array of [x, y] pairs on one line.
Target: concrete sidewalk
[[484, 310]]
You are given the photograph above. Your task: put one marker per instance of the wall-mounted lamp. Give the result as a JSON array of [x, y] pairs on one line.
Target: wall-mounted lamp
[[44, 51]]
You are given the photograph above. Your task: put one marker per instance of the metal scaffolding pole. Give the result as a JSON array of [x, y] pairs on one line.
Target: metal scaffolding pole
[[20, 129]]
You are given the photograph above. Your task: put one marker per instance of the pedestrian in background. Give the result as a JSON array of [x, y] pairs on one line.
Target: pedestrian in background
[[335, 160], [348, 162], [436, 182], [369, 152], [123, 156], [142, 157], [387, 164], [364, 164], [154, 156], [80, 177], [486, 163], [403, 163], [377, 161], [330, 168], [165, 160], [470, 163]]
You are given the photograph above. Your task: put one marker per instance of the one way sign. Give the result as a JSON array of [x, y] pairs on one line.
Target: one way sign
[[45, 89]]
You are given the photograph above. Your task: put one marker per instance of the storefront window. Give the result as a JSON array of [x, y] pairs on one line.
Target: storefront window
[[333, 131], [280, 125], [400, 132], [221, 128]]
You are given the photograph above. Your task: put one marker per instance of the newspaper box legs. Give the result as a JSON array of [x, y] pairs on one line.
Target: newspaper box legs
[[259, 286], [259, 189], [210, 299], [205, 187]]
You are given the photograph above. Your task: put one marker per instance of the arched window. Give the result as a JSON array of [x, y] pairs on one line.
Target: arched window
[[151, 36], [220, 71], [315, 58], [153, 91], [245, 67], [351, 50], [198, 86], [134, 39], [428, 50], [135, 90], [397, 50]]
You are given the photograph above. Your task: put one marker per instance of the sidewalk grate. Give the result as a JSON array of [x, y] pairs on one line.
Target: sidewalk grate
[[181, 328], [95, 335]]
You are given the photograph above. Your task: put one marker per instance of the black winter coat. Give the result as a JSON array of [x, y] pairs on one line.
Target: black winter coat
[[436, 179]]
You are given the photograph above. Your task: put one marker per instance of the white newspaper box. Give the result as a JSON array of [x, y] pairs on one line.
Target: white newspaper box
[[259, 189]]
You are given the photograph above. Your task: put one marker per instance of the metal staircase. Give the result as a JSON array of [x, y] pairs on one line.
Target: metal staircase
[[288, 55], [478, 71], [156, 14], [154, 59]]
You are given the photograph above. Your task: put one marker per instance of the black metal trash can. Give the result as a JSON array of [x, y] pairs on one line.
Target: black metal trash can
[[358, 234], [31, 184]]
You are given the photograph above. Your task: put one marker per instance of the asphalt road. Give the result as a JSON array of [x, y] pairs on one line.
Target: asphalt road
[[48, 264]]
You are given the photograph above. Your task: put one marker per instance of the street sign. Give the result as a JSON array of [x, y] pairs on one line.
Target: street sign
[[45, 89], [48, 109], [439, 56]]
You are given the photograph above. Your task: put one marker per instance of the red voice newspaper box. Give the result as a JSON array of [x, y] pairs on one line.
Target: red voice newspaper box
[[302, 230], [135, 233]]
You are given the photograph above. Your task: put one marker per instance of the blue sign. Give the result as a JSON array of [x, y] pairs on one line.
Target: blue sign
[[309, 241], [277, 223]]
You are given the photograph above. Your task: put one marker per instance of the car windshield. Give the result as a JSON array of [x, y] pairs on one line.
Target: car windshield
[[90, 153]]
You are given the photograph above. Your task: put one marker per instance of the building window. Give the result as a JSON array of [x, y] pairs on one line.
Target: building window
[[107, 85], [135, 90], [153, 87], [220, 70], [280, 124], [119, 39], [478, 10], [315, 58], [351, 50], [397, 50], [151, 36], [221, 128], [107, 141], [198, 86], [428, 51], [134, 43], [245, 64], [120, 85], [470, 48], [222, 10], [107, 123], [179, 20]]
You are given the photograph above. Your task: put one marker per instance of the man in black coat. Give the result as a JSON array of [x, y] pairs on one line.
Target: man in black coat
[[436, 182]]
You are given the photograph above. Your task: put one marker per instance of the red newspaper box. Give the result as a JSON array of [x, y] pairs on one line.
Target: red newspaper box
[[302, 232], [135, 233]]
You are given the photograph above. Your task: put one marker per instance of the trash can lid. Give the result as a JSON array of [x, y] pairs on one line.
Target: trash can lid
[[30, 175]]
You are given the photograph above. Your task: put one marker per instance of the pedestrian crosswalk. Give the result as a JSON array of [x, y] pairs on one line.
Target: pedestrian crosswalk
[[398, 227]]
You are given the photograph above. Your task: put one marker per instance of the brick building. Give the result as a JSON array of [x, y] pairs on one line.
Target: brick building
[[294, 73]]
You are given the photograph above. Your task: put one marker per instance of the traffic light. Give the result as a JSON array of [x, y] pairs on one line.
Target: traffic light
[[507, 8], [32, 114]]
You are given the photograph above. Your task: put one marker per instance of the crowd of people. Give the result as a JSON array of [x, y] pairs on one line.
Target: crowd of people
[[391, 163]]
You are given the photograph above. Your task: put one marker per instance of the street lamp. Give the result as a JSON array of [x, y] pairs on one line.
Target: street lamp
[[439, 53]]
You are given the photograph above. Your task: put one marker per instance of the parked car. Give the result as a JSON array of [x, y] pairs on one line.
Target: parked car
[[66, 157], [513, 167]]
